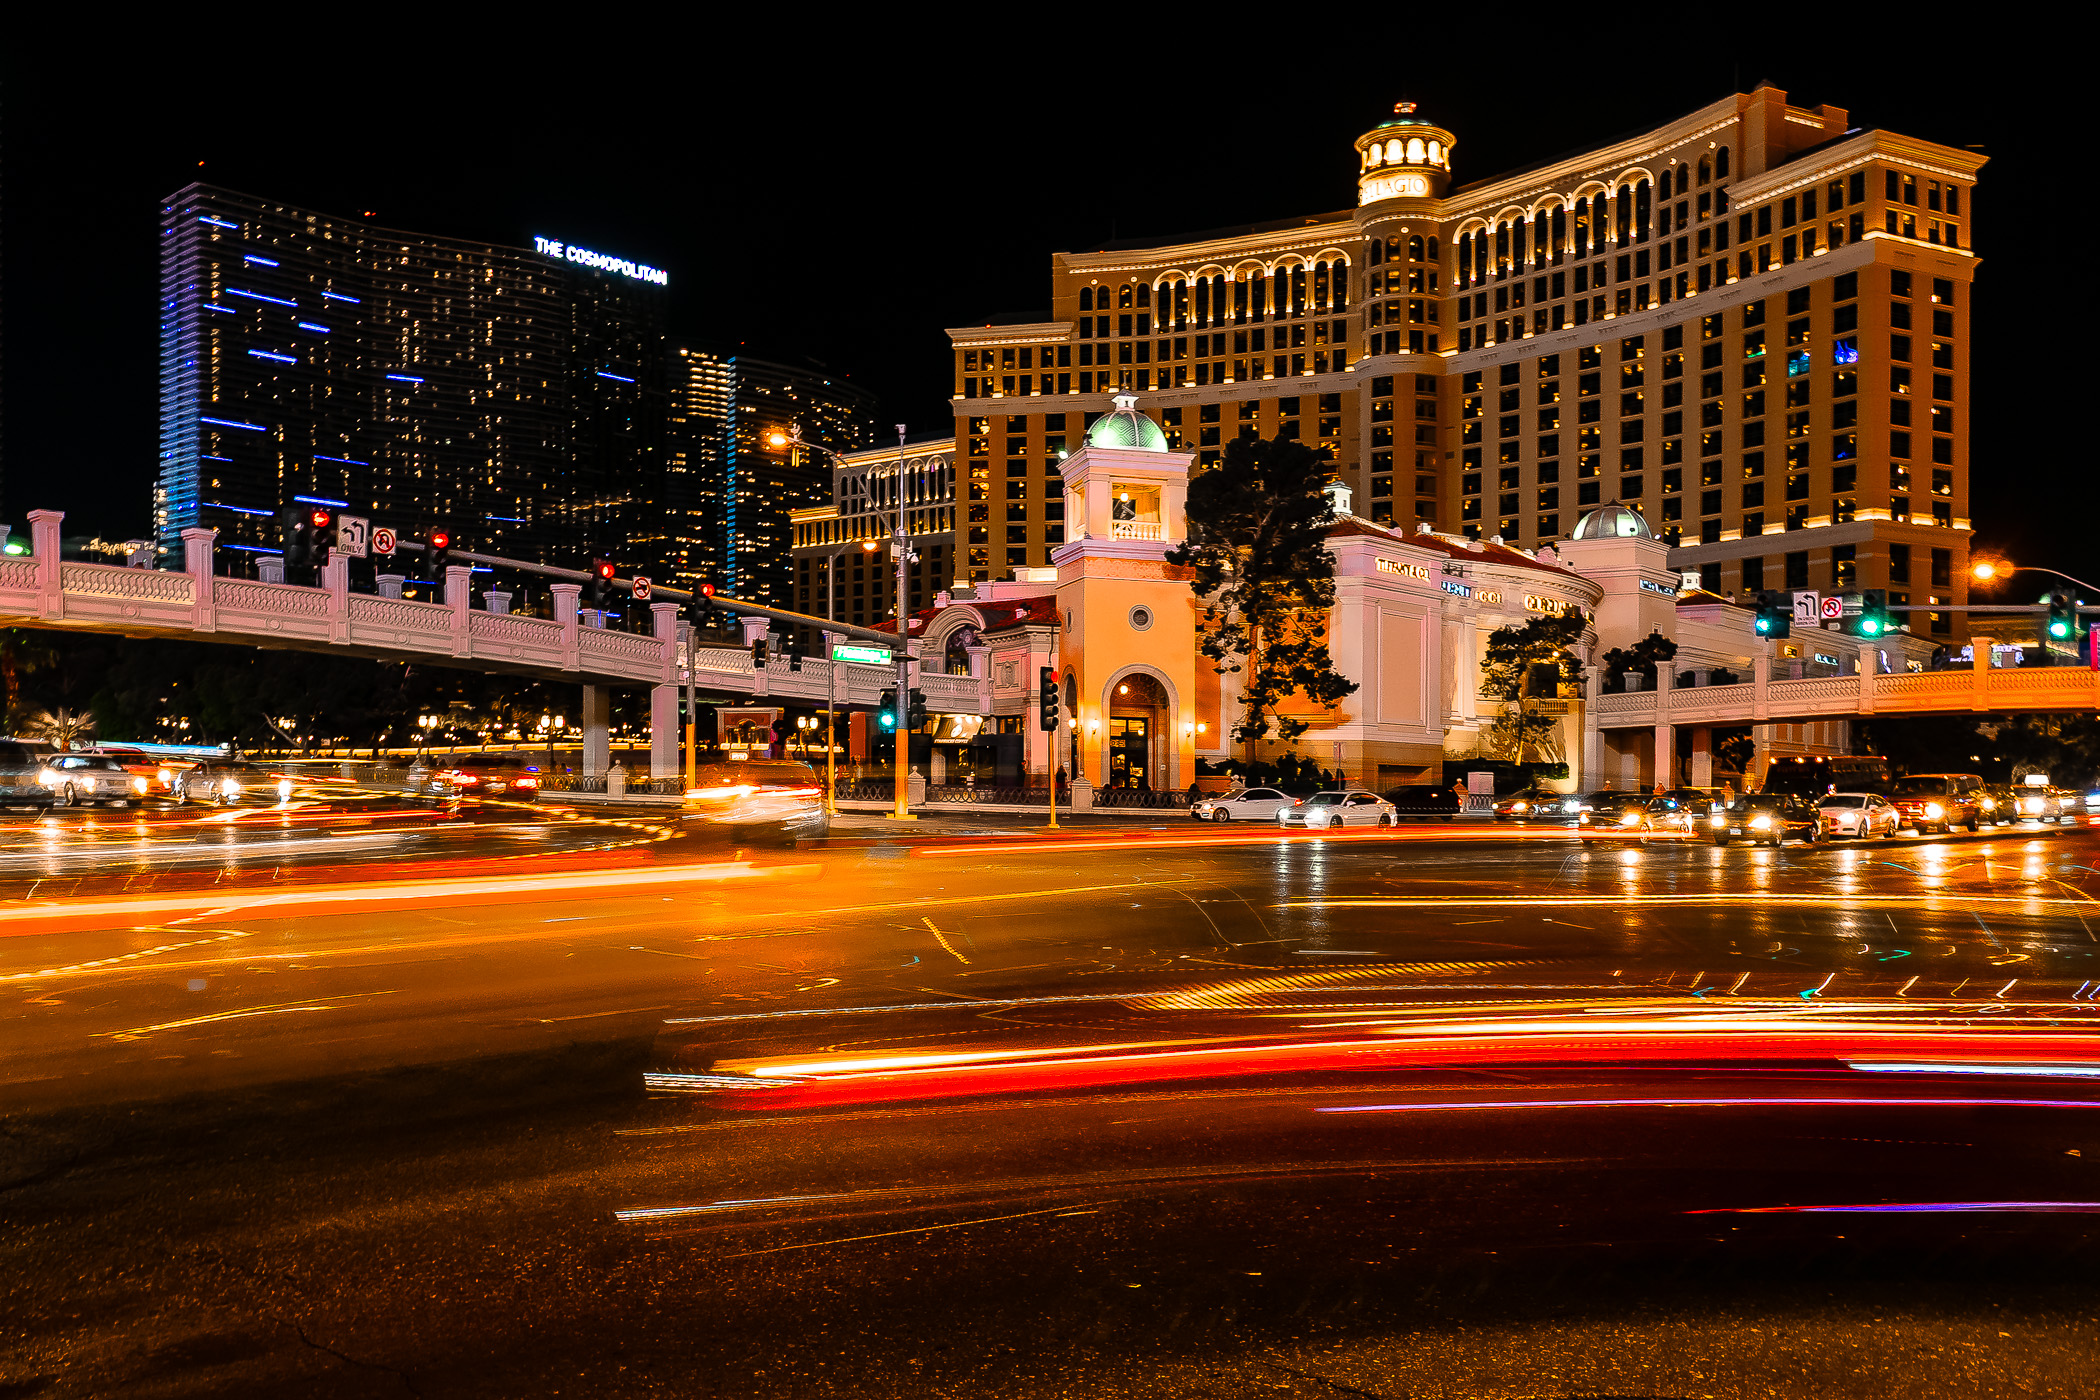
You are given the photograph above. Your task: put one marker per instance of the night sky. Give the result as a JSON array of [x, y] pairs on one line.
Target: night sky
[[850, 209]]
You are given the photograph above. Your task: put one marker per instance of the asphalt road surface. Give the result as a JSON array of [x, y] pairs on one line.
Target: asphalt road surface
[[1131, 1111]]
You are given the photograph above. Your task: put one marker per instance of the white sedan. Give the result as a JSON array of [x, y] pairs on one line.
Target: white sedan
[[1861, 814], [1241, 805], [1328, 809]]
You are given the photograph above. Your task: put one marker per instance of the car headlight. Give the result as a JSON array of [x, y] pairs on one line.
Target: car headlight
[[1519, 806], [284, 789], [1935, 810], [1630, 819], [138, 784], [2031, 805], [48, 779], [1720, 819], [167, 778], [231, 787], [1989, 805], [1761, 822]]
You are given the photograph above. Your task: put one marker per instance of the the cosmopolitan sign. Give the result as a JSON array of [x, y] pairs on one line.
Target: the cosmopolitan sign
[[569, 252]]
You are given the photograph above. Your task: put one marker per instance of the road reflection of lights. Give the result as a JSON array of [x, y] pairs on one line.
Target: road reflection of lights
[[1912, 1208], [1774, 1101], [1991, 1067], [717, 1207]]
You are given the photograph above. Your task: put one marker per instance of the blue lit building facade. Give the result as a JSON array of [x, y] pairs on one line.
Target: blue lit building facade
[[518, 397]]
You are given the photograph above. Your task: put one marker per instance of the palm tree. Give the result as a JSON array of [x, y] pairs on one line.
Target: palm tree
[[61, 727]]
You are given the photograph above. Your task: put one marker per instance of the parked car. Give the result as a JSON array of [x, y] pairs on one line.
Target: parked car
[[21, 770], [76, 779], [2048, 804], [1767, 817], [1424, 800], [780, 799], [486, 775], [1634, 813], [1536, 805], [228, 782], [1940, 801], [1338, 807], [1241, 805], [1861, 814]]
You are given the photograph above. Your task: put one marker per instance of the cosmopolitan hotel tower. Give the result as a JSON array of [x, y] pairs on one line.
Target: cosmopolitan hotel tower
[[1750, 325], [517, 396]]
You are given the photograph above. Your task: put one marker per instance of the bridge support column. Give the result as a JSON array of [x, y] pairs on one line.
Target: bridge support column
[[1702, 758], [197, 547], [597, 741], [1592, 773], [1665, 732], [1980, 671], [663, 731]]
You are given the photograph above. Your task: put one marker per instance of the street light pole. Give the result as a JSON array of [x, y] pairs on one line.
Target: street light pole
[[900, 548], [1989, 573]]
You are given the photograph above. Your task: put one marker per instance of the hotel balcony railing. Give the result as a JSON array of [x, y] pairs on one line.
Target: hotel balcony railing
[[1136, 530]]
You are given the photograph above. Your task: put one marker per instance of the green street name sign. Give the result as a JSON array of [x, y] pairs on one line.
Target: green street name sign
[[871, 656]]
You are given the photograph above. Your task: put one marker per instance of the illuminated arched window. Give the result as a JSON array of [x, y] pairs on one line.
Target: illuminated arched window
[[1436, 153], [1414, 248], [1394, 152], [1414, 151], [1375, 154]]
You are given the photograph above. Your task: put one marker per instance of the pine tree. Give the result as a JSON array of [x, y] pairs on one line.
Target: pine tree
[[1257, 541]]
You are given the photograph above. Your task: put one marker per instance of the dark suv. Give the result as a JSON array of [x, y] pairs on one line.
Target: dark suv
[[1940, 801], [1767, 816]]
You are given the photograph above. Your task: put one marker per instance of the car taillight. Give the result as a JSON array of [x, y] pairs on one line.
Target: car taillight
[[465, 778]]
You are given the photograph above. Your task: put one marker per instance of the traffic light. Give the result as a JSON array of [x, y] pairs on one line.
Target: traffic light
[[2063, 615], [1049, 693], [1775, 614], [758, 654], [700, 611], [298, 537], [886, 709], [600, 591], [1874, 613], [323, 522], [793, 647], [917, 717], [440, 552]]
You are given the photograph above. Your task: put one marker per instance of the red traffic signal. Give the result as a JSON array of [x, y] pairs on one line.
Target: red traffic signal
[[440, 539], [604, 569], [707, 590], [322, 518]]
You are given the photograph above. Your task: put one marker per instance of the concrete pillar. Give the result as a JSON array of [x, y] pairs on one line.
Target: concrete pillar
[[197, 547], [459, 586], [754, 627], [1760, 681], [389, 584], [497, 599], [597, 741], [566, 596], [1869, 667], [270, 568], [1702, 757], [980, 660], [663, 730], [1665, 732], [1980, 663]]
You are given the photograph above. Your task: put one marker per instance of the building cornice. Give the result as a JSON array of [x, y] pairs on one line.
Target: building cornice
[[1927, 157], [1027, 332]]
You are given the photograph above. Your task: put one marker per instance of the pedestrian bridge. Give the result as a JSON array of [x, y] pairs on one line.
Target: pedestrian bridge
[[1970, 689], [43, 590]]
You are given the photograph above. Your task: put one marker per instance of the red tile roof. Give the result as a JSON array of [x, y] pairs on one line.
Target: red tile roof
[[1041, 611], [1488, 552]]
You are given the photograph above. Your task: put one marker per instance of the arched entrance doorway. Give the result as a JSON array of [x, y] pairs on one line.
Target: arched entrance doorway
[[1140, 739]]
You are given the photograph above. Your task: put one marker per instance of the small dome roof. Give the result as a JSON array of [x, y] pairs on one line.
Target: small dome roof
[[1126, 427], [1612, 521]]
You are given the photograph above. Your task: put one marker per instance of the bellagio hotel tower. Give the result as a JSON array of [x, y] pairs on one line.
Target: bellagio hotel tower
[[1750, 324]]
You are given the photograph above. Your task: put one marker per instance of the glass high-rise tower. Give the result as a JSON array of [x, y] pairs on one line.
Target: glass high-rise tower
[[516, 396]]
